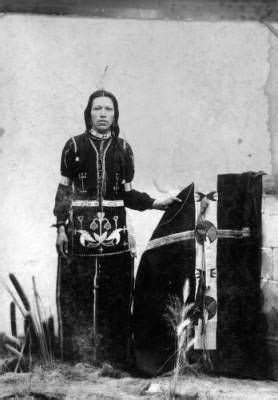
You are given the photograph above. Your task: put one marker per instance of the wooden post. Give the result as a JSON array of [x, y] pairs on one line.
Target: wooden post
[[269, 274]]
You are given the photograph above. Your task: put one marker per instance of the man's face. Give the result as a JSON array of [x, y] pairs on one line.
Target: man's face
[[102, 114]]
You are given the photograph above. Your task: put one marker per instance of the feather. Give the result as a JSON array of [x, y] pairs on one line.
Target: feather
[[184, 324], [190, 344], [186, 291]]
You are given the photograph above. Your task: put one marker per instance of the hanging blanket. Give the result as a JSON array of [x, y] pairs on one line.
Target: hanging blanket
[[213, 239]]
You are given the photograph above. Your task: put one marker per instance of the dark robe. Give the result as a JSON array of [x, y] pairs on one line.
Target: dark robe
[[95, 281], [237, 328]]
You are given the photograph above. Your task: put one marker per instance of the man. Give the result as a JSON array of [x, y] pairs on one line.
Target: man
[[95, 277]]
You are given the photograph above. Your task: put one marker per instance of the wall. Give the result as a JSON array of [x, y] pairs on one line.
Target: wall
[[195, 100]]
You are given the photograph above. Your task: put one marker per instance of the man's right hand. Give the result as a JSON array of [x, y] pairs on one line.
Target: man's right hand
[[62, 242]]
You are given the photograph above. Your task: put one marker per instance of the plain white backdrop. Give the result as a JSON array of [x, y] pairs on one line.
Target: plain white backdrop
[[192, 104]]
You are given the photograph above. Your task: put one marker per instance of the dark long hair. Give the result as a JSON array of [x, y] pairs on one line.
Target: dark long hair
[[87, 113]]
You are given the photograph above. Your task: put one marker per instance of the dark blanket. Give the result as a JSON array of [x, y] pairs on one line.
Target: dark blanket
[[170, 258]]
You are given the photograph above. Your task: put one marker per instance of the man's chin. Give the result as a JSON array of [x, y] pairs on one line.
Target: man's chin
[[102, 128]]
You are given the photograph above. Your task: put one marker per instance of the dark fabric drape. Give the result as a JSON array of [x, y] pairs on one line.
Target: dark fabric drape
[[241, 348], [161, 274]]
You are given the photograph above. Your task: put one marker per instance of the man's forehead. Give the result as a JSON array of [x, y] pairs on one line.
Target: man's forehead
[[103, 101]]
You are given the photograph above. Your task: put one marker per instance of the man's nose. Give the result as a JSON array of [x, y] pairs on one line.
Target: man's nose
[[103, 112]]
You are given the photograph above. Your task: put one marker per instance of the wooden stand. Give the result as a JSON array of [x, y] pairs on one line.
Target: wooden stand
[[269, 283]]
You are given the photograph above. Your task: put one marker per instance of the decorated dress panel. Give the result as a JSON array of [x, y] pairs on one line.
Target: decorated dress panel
[[97, 218]]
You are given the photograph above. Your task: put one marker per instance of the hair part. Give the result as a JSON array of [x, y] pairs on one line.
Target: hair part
[[87, 113]]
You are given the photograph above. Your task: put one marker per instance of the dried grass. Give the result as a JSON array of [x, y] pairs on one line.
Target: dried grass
[[181, 315], [37, 341], [178, 315]]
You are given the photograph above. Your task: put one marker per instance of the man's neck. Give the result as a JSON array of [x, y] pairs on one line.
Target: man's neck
[[100, 136]]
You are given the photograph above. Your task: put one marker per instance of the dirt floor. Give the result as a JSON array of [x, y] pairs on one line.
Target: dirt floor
[[84, 382]]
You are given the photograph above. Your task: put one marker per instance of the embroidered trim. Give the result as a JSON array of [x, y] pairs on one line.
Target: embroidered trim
[[169, 239], [113, 203], [95, 203], [103, 181], [82, 176], [65, 181], [128, 186], [97, 165], [100, 255], [116, 187], [233, 233], [65, 157], [187, 235], [74, 144], [100, 164]]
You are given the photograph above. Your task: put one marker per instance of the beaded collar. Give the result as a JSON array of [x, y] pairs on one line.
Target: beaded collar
[[100, 136]]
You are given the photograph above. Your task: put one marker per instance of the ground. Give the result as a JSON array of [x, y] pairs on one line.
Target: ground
[[82, 382]]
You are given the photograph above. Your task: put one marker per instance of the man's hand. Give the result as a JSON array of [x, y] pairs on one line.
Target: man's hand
[[164, 204], [62, 242]]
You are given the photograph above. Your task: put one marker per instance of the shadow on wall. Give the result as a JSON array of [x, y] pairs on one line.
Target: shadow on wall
[[151, 9]]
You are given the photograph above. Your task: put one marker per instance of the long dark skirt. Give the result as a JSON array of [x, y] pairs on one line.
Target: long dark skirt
[[94, 299]]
